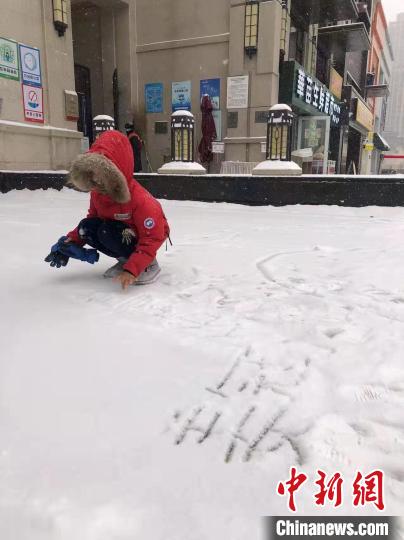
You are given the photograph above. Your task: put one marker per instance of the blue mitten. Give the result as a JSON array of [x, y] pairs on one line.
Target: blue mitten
[[59, 244], [78, 252], [62, 251], [56, 258]]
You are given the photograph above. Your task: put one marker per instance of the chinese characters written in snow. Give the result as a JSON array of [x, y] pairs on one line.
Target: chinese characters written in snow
[[365, 489], [318, 96]]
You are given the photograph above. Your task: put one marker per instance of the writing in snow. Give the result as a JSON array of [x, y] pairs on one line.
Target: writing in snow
[[365, 489]]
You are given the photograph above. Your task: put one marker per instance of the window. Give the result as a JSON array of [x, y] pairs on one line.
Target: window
[[297, 45]]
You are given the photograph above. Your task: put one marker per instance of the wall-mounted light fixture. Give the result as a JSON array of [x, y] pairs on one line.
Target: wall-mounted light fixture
[[60, 16], [251, 27]]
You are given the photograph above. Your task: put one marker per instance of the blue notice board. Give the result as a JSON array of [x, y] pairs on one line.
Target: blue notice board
[[154, 97], [30, 61], [212, 88], [181, 96]]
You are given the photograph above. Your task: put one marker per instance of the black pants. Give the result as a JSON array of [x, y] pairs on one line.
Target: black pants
[[108, 236]]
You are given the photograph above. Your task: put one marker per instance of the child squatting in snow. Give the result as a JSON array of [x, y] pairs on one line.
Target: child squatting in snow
[[124, 220]]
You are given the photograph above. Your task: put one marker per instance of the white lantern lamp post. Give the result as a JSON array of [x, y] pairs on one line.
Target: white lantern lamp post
[[102, 123], [278, 160], [182, 146]]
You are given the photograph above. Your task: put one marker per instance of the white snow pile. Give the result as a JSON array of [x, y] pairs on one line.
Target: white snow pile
[[273, 338]]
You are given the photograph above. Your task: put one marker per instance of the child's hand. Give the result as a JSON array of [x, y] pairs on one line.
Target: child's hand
[[125, 279]]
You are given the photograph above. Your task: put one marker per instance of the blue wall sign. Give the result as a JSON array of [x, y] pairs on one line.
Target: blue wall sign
[[181, 96], [30, 62], [154, 97], [212, 88]]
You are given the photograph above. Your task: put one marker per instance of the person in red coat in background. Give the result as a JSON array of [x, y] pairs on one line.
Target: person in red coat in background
[[124, 220]]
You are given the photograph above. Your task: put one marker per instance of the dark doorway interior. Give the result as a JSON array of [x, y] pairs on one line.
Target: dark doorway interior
[[83, 89], [333, 152], [354, 151]]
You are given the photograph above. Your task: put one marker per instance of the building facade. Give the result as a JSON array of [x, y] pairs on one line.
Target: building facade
[[38, 120], [380, 65], [395, 110], [329, 44], [167, 54], [139, 60]]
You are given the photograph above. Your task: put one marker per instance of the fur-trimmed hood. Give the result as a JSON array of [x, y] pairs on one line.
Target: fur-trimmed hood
[[106, 168]]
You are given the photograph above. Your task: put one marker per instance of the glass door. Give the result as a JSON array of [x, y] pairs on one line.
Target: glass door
[[314, 133]]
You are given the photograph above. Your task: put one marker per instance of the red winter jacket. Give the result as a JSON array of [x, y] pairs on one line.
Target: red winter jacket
[[142, 213]]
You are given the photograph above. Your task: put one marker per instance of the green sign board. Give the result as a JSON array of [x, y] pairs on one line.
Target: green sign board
[[9, 63], [307, 94]]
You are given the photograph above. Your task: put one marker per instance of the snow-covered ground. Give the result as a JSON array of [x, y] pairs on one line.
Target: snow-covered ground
[[274, 338]]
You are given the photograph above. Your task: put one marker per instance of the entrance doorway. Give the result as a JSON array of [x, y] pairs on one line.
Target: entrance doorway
[[83, 89], [102, 54], [314, 133], [354, 151]]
